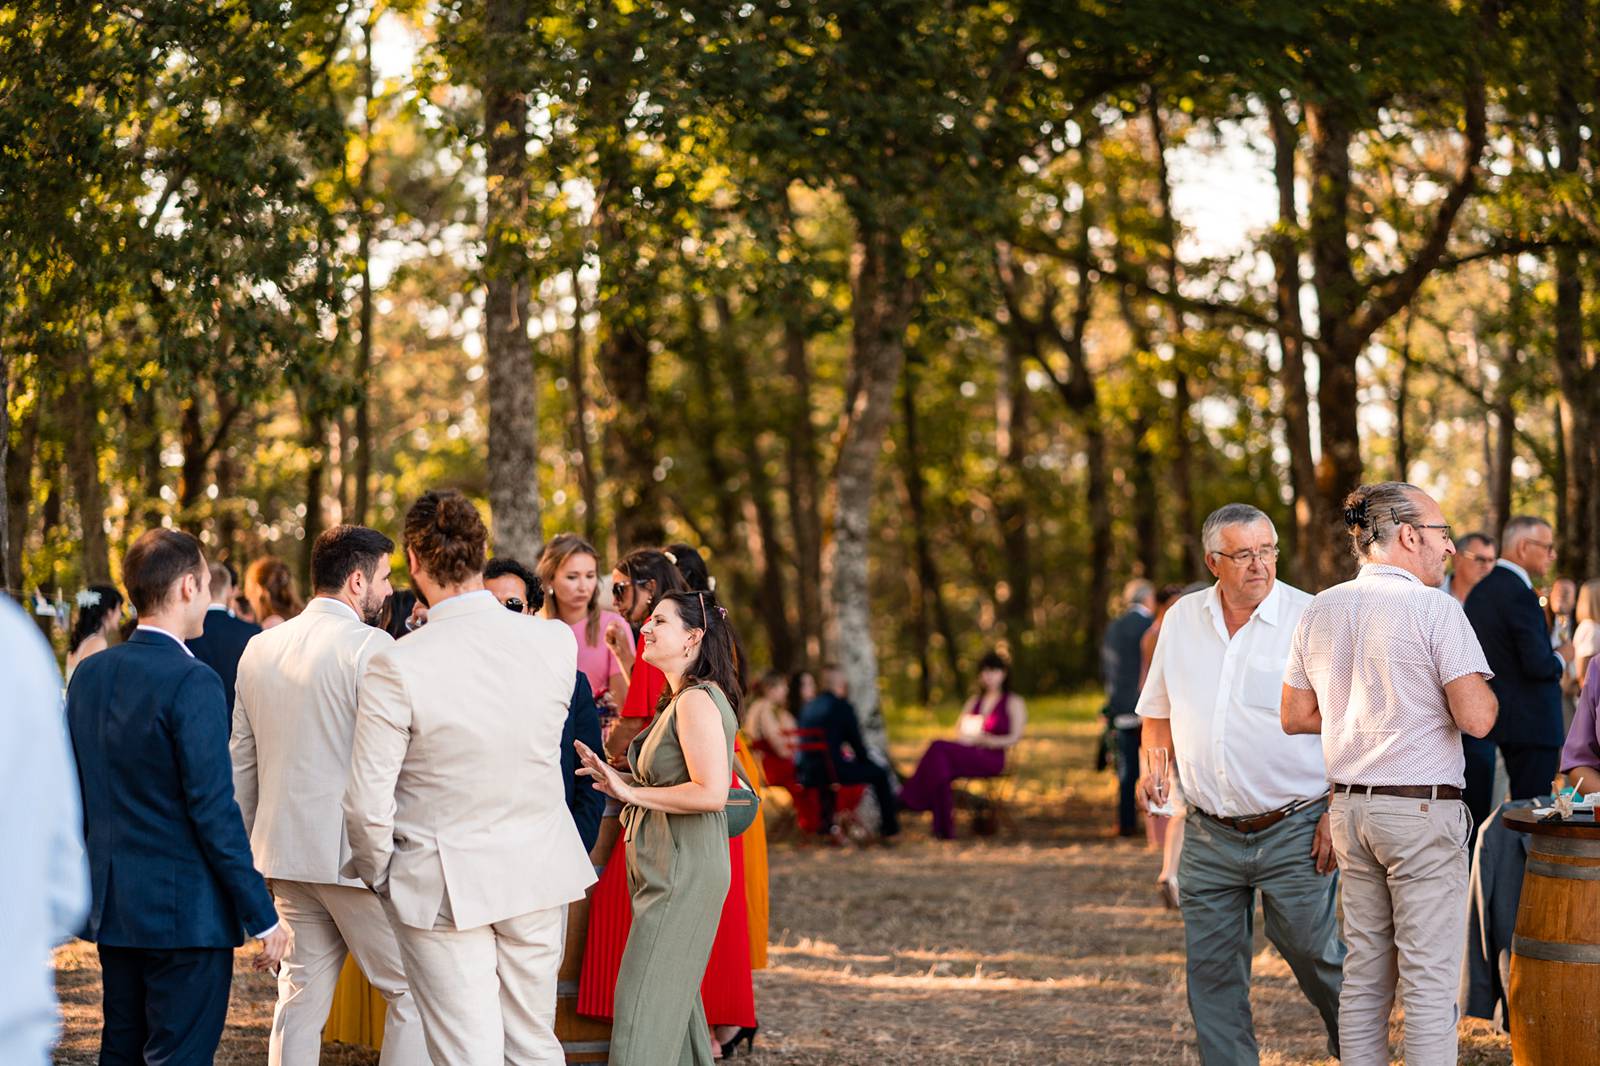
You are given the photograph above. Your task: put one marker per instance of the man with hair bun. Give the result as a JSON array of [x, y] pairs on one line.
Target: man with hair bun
[[1387, 669], [1505, 612], [456, 807], [293, 729]]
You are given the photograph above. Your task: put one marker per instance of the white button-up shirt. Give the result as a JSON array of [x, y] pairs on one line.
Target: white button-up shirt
[[1222, 696]]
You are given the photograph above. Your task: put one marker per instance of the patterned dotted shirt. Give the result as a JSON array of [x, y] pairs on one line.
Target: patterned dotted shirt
[[1378, 651]]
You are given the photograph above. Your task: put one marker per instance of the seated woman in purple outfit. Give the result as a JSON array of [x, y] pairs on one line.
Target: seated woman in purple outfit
[[1580, 758], [991, 723]]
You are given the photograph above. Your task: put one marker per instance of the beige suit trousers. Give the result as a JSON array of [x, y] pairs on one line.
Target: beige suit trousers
[[488, 995], [328, 922], [1403, 882]]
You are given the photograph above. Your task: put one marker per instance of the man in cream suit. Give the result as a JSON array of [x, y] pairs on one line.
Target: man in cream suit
[[293, 725], [456, 808]]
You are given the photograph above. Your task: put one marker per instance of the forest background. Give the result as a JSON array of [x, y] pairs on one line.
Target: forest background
[[903, 310]]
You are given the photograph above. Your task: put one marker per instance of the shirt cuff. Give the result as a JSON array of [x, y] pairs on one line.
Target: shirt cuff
[[268, 931]]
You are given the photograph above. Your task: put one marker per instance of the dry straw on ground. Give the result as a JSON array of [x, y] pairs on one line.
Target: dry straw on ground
[[1046, 944]]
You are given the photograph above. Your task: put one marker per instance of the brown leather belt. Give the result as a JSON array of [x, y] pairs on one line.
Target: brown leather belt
[[1256, 823], [1416, 792]]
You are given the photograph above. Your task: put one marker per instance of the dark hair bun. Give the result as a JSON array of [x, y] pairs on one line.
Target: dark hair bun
[[448, 536], [458, 518]]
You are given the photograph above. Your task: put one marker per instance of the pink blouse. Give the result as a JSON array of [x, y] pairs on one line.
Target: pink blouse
[[596, 660]]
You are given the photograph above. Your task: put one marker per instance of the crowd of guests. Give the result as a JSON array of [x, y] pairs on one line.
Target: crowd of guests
[[360, 774], [1362, 730]]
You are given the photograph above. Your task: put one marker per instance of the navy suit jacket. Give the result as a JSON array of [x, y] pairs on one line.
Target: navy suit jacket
[[169, 862], [836, 717], [1510, 625], [1120, 661], [222, 645], [586, 802]]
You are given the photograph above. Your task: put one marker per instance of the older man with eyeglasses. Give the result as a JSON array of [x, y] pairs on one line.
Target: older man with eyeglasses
[[1258, 798], [1505, 613]]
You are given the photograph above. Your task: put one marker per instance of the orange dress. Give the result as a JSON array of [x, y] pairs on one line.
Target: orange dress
[[755, 866]]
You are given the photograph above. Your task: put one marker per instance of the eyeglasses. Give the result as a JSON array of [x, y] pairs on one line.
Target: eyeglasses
[[1248, 556], [514, 605], [617, 588], [1548, 546], [1482, 560], [1443, 526]]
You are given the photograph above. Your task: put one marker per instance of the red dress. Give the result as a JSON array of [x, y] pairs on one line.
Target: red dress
[[726, 991]]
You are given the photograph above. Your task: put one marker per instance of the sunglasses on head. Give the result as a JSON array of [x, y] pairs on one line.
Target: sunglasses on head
[[514, 605], [617, 588]]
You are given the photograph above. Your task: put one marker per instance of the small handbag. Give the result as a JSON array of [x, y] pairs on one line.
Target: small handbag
[[744, 805]]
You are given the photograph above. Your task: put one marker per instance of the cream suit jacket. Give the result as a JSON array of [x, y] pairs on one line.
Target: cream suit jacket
[[294, 719], [456, 784]]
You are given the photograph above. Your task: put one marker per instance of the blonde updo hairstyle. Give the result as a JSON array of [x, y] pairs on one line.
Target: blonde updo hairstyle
[[448, 536]]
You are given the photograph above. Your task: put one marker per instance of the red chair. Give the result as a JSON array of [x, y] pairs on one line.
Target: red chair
[[808, 799]]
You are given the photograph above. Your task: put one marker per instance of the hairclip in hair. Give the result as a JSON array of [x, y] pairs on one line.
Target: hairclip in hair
[[1357, 515], [673, 559], [88, 598], [722, 612]]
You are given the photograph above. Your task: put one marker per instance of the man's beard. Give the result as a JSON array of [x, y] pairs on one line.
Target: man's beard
[[372, 610]]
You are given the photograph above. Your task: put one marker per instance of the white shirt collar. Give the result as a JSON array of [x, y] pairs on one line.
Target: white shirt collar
[[1515, 569], [1385, 570], [218, 607], [170, 636], [1142, 609], [328, 603], [1266, 610]]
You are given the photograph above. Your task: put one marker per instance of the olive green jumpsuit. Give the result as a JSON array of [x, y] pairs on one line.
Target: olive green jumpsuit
[[678, 873]]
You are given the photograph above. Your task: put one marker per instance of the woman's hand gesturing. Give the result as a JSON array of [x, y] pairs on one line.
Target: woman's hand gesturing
[[606, 779]]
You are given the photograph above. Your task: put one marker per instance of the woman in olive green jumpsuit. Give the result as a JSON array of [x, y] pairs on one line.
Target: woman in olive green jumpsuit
[[676, 834]]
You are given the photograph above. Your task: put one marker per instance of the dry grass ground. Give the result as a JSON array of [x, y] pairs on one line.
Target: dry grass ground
[[1045, 944]]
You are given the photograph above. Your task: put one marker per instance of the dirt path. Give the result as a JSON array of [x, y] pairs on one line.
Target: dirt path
[[1046, 944]]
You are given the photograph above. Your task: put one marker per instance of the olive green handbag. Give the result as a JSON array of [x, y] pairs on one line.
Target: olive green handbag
[[744, 803]]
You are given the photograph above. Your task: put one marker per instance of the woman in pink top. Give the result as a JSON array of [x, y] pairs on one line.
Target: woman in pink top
[[569, 572]]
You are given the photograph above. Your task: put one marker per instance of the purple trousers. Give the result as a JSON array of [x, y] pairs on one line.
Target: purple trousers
[[942, 764]]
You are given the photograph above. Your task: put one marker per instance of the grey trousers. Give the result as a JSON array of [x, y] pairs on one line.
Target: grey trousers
[[1218, 877]]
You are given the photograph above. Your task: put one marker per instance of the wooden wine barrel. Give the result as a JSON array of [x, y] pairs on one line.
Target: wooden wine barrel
[[583, 1039], [1554, 994]]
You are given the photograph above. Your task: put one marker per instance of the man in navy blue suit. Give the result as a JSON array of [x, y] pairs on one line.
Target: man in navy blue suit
[[221, 646], [1505, 613], [174, 887]]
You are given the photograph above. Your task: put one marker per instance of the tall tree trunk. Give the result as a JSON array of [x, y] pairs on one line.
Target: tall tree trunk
[[316, 444], [930, 587], [1580, 409], [1187, 533], [1011, 510], [19, 494], [578, 375], [1339, 468], [805, 502], [192, 472], [144, 437], [1291, 345], [1505, 438], [513, 392], [83, 457], [766, 549], [362, 429], [228, 512], [883, 297]]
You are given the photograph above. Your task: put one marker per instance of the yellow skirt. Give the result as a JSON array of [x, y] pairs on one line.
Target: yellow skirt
[[755, 866], [357, 1013]]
